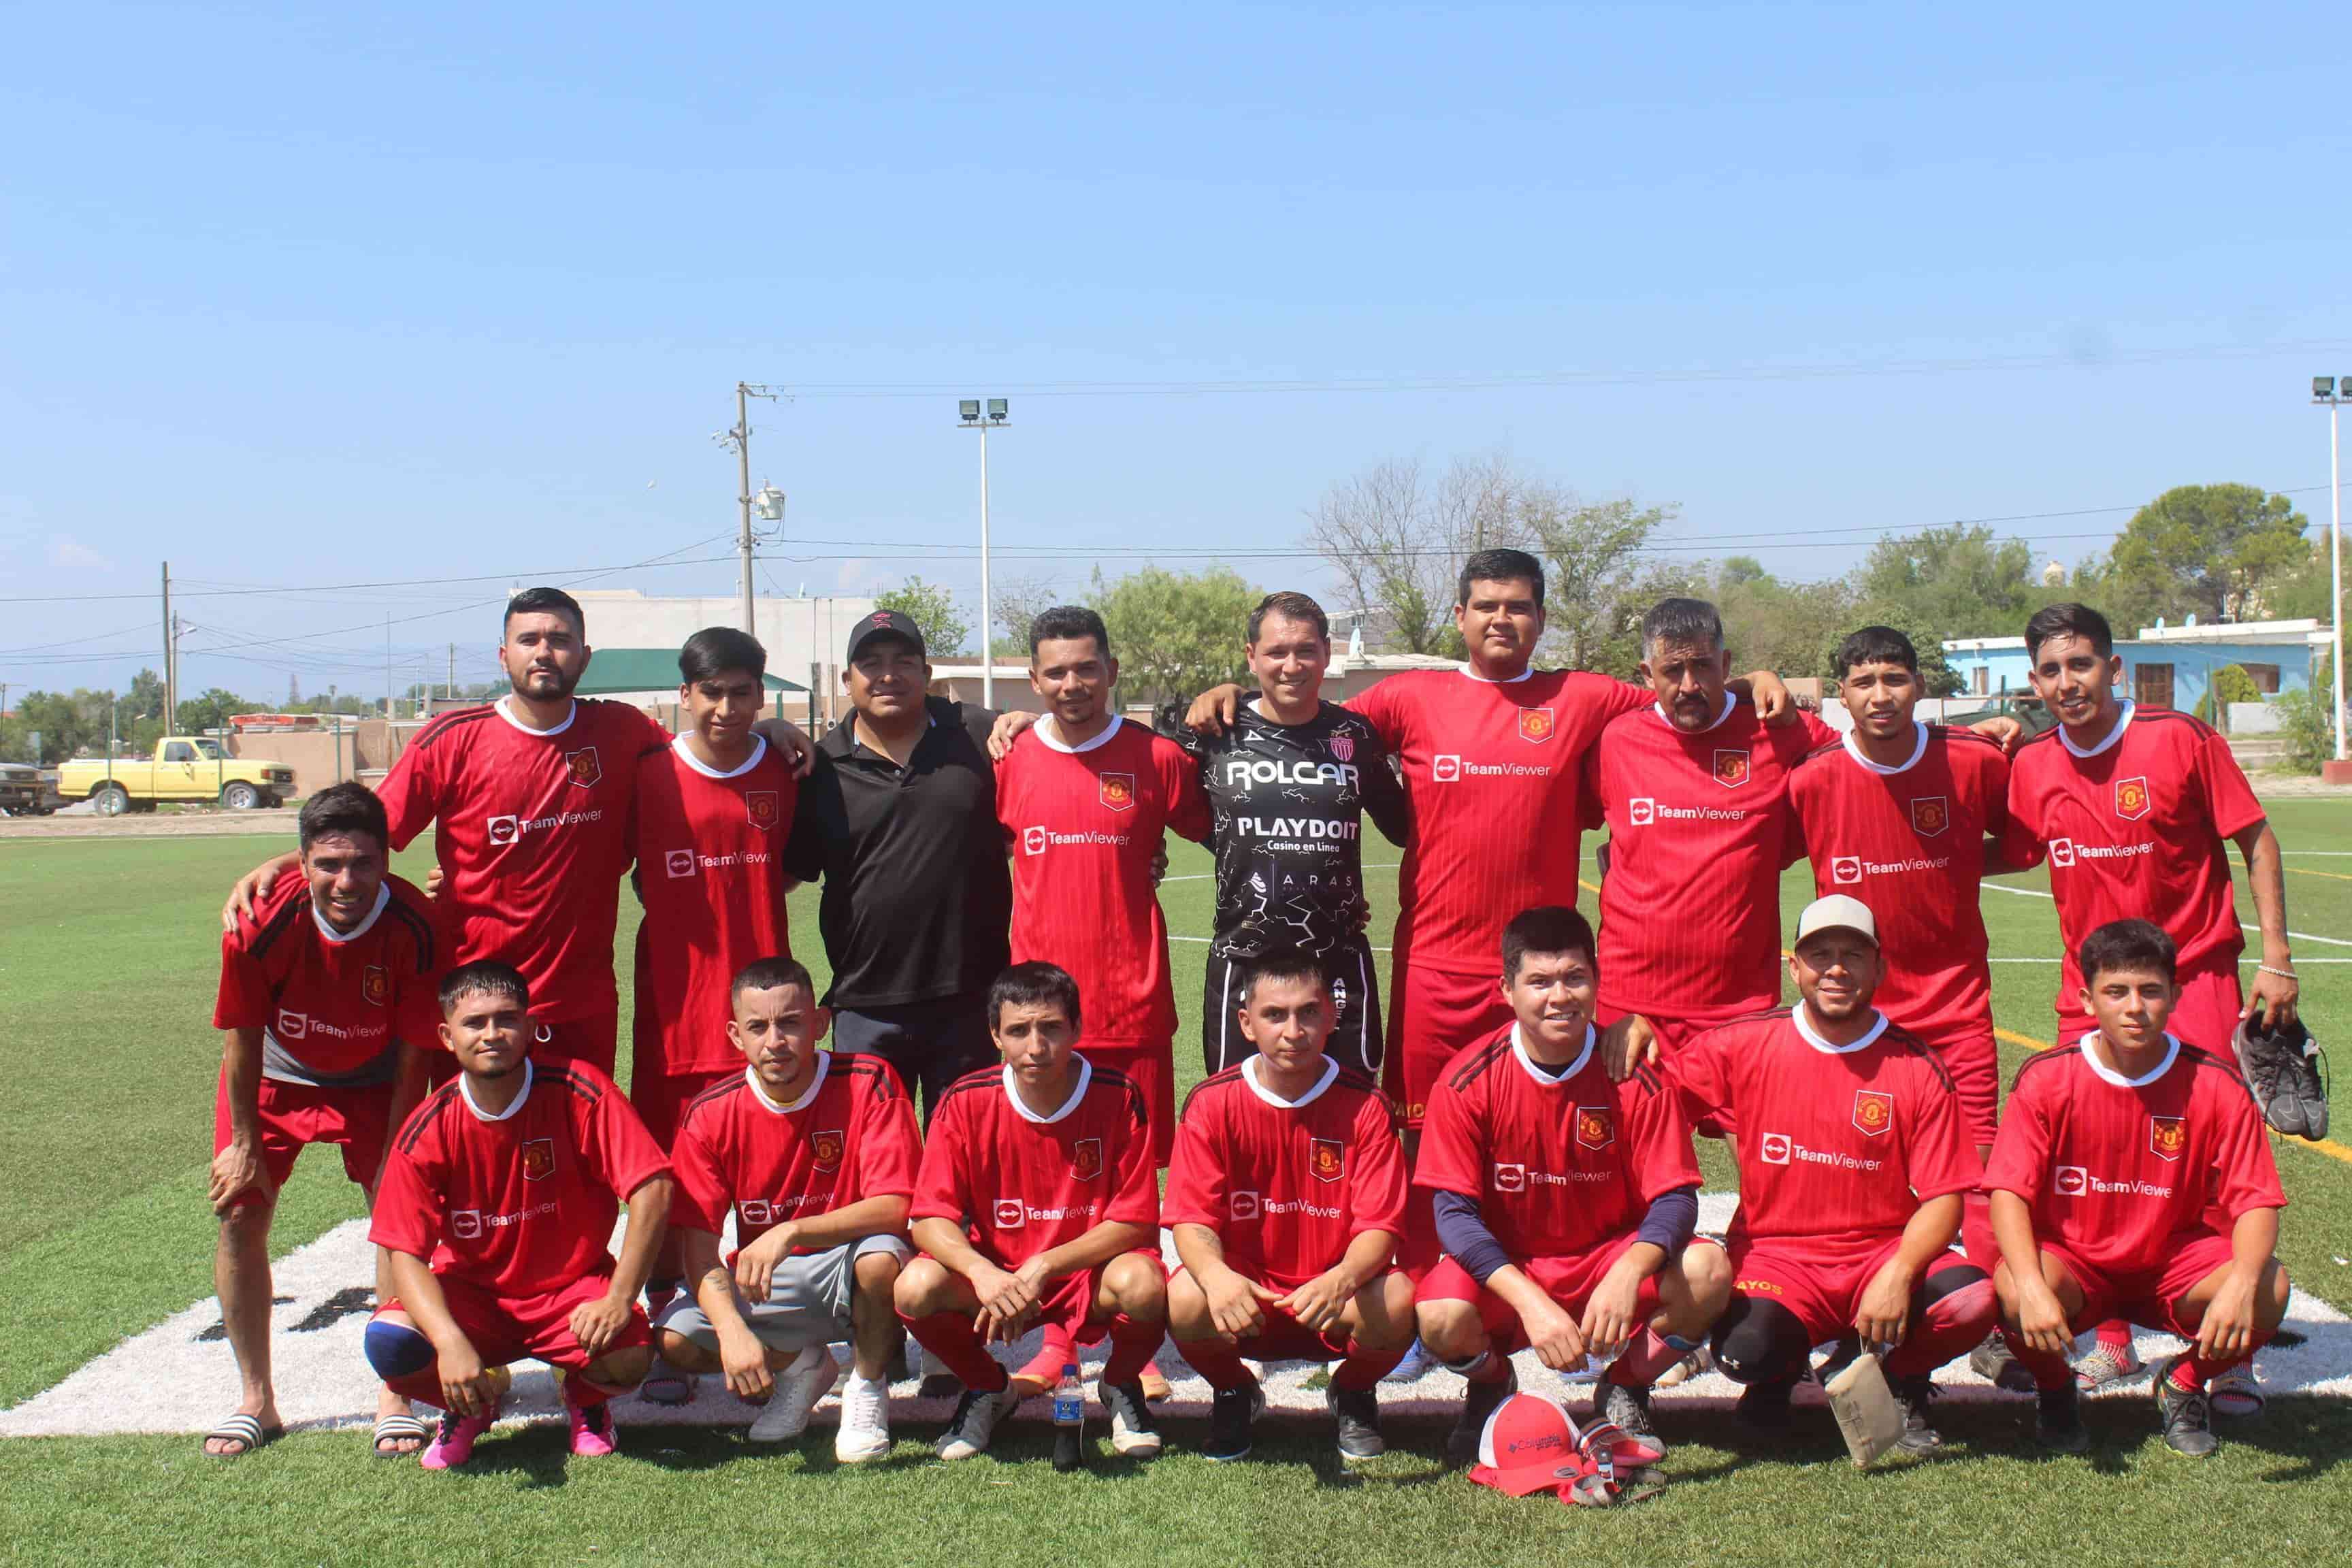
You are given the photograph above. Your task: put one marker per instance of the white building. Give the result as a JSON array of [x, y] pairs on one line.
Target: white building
[[804, 638]]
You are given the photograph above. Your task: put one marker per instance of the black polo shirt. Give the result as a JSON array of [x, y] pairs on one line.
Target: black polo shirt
[[918, 895]]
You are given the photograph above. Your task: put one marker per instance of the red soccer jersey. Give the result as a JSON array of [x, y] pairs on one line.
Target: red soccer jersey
[[521, 1204], [1690, 909], [1909, 842], [531, 832], [331, 1003], [850, 1136], [1021, 1184], [709, 852], [1287, 1185], [2134, 830], [1558, 1165], [1494, 772], [1836, 1142], [2115, 1167], [1084, 823]]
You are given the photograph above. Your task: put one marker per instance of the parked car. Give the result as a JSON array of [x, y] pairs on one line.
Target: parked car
[[187, 767], [28, 791]]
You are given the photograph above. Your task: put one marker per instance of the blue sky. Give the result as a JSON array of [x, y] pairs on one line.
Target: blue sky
[[297, 299]]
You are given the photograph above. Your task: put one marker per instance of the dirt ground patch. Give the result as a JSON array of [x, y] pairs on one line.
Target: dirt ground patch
[[275, 823]]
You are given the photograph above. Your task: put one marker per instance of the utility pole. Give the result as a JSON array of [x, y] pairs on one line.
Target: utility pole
[[387, 670], [451, 693], [770, 501], [171, 655]]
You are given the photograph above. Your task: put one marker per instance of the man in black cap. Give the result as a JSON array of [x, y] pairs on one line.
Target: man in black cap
[[898, 817]]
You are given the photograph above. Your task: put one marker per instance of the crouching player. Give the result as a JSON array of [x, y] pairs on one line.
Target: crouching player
[[815, 1156], [1037, 1202], [1854, 1161], [496, 1203], [1565, 1203], [2114, 1160], [1287, 1196]]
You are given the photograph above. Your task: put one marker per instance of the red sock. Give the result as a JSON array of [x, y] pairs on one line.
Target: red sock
[[2049, 1371], [1363, 1368], [1639, 1363], [2115, 1334], [1054, 1351], [950, 1337], [1218, 1362], [1951, 1326], [424, 1388], [1132, 1344], [581, 1394], [2194, 1371]]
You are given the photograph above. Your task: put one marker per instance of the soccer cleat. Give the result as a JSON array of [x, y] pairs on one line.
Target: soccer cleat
[[593, 1435], [2187, 1413], [976, 1416], [2282, 1068], [1628, 1409], [1417, 1363], [798, 1388], [1232, 1411], [1478, 1402], [2237, 1394], [865, 1434], [453, 1439], [2107, 1364], [1357, 1412], [1764, 1406], [1132, 1434], [2058, 1420], [1992, 1361], [1912, 1395]]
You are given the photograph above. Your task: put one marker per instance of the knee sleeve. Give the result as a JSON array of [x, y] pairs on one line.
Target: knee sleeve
[[1760, 1342], [396, 1350]]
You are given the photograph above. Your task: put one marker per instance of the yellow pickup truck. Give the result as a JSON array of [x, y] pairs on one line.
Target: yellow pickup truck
[[187, 767]]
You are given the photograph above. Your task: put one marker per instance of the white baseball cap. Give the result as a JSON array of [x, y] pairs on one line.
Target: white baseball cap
[[1837, 912]]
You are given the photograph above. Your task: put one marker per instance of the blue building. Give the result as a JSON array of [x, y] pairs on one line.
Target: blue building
[[2164, 666]]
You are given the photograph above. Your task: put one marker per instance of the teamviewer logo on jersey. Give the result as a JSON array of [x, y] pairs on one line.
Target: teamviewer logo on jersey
[[504, 830], [681, 862], [291, 1025], [1032, 841], [753, 1211], [1010, 1214], [466, 1225], [1845, 870], [1774, 1148], [2069, 1180], [1511, 1178], [1242, 1206], [2061, 852], [1446, 770], [1641, 811]]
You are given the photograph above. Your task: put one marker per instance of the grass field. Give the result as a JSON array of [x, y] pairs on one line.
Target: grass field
[[107, 967]]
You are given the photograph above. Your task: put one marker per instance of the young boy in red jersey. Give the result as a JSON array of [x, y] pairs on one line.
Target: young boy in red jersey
[[815, 1154], [1037, 1202], [496, 1205], [2117, 1155], [1854, 1165], [326, 995], [1287, 1198], [1565, 1203]]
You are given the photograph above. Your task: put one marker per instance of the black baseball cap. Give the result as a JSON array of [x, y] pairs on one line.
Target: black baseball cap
[[884, 624]]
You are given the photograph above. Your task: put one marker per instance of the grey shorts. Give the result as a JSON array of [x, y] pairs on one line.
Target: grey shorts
[[808, 1304]]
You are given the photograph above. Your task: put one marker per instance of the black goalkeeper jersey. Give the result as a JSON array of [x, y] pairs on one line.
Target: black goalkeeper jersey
[[1289, 801]]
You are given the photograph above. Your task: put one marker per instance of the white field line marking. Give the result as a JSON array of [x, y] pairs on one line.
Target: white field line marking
[[2038, 893]]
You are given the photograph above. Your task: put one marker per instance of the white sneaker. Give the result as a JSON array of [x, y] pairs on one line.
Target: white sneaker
[[976, 1416], [864, 1421], [798, 1388]]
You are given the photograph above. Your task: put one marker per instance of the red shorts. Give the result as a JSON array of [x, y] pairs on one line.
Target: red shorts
[[1568, 1281], [1434, 1013], [1071, 1302], [296, 1114], [1284, 1338], [1151, 1064], [503, 1328], [1821, 1282], [592, 1038], [661, 1098], [2146, 1296], [1973, 1062], [2205, 1016]]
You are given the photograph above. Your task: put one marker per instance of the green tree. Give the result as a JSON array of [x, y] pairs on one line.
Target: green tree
[[933, 608], [210, 711], [1771, 625], [2216, 552], [1960, 582], [1599, 575], [1176, 633]]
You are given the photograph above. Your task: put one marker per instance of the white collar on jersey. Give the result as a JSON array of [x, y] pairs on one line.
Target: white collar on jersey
[[1797, 1016], [1051, 736], [570, 712], [1507, 680], [1086, 1077], [383, 897], [823, 1066], [467, 1091], [2171, 1055], [2124, 711], [1545, 1074], [1905, 767], [686, 754], [1249, 1077], [1730, 701]]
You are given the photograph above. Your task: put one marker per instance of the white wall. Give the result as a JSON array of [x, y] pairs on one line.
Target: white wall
[[797, 633]]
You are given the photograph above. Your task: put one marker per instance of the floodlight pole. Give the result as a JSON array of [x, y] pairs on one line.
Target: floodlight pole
[[2336, 556], [982, 419]]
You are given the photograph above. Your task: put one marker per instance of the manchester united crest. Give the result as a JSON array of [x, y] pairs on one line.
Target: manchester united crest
[[1086, 1159], [824, 1148], [1596, 1126], [764, 807], [1930, 815], [1328, 1158], [1341, 747], [1537, 726], [538, 1159], [376, 986], [2167, 1136], [2131, 798], [1874, 1111], [1731, 769], [583, 766], [1117, 791]]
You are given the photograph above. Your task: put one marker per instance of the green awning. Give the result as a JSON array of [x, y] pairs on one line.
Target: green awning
[[646, 669]]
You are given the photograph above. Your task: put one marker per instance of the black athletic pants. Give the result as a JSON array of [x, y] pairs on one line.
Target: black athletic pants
[[1360, 1040]]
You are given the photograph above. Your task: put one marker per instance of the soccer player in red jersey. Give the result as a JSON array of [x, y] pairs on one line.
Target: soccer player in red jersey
[[815, 1154], [1086, 798], [1854, 1162], [496, 1205], [2121, 1155], [1565, 1202], [1287, 1201], [326, 995], [1037, 1203]]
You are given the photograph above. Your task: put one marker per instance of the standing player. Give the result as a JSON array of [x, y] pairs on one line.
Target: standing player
[[1287, 1202], [1565, 1202], [2132, 1178], [1852, 1165], [326, 995], [499, 1201], [2132, 807], [814, 1156], [1037, 1204]]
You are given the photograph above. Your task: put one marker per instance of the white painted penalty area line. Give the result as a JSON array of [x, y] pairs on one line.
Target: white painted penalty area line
[[2038, 893]]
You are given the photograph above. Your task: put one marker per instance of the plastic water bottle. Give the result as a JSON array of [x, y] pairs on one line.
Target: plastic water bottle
[[1069, 1420]]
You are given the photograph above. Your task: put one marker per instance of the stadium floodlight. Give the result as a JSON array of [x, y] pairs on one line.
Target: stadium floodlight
[[968, 408], [2328, 390], [2323, 387], [769, 504], [998, 409]]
